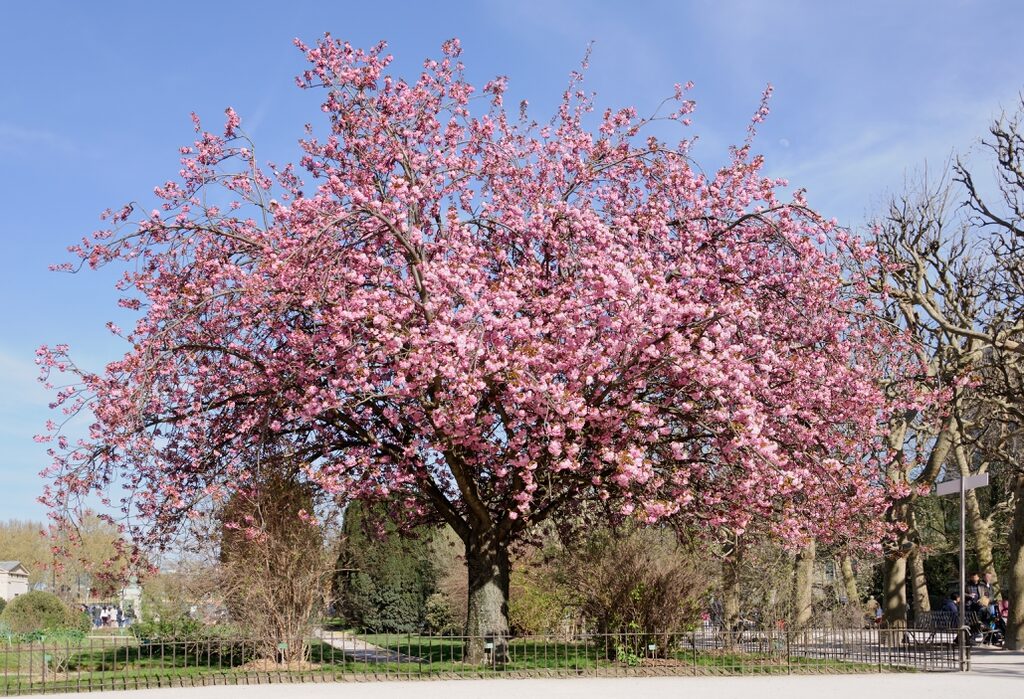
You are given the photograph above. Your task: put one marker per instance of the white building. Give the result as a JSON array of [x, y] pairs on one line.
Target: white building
[[13, 579]]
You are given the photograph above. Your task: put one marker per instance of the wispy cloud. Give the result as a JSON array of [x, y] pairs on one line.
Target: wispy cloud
[[23, 412], [15, 138], [18, 383], [850, 173]]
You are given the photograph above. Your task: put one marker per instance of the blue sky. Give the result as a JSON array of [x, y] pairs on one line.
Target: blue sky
[[95, 100]]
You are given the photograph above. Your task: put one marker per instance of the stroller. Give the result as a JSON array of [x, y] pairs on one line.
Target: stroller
[[988, 624]]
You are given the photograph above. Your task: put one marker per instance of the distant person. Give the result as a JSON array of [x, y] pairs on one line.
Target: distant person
[[973, 592], [987, 595], [952, 605], [872, 610]]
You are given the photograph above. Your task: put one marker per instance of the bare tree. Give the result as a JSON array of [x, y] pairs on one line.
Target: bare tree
[[933, 282], [955, 283], [999, 219], [276, 570]]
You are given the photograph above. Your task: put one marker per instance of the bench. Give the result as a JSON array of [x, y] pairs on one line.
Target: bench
[[933, 628]]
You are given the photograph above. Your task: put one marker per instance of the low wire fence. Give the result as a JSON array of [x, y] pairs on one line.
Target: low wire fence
[[125, 662]]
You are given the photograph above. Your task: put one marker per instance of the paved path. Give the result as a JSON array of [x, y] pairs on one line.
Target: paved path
[[934, 686], [358, 649], [991, 662]]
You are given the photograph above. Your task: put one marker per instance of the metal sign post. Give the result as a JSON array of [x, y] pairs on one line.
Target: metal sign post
[[962, 485]]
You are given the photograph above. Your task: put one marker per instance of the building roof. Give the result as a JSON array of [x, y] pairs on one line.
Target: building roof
[[12, 567]]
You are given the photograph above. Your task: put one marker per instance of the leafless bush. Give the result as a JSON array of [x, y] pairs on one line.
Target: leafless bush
[[636, 580], [275, 568]]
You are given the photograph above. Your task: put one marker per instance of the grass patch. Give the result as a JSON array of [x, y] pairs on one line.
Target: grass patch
[[125, 663]]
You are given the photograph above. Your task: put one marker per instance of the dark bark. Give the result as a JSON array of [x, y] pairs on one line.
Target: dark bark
[[487, 627], [1015, 581]]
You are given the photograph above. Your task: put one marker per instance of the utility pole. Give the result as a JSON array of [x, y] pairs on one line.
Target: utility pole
[[961, 486]]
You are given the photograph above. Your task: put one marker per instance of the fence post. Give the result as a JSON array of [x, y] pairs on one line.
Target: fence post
[[693, 643], [789, 655]]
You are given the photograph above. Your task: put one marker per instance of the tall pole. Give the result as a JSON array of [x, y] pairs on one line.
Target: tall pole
[[963, 569]]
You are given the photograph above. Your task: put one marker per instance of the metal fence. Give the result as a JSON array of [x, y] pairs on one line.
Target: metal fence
[[125, 662]]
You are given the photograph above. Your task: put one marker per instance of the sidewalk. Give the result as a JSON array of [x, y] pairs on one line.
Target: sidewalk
[[996, 673], [992, 662]]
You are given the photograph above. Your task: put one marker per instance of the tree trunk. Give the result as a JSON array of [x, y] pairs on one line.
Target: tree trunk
[[487, 626], [1015, 583], [894, 569], [981, 530], [918, 582], [894, 593], [731, 597], [803, 587], [849, 580]]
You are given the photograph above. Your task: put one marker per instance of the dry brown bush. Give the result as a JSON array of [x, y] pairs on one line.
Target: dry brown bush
[[275, 568]]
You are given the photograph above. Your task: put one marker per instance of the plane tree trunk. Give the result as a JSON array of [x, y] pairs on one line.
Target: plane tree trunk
[[731, 596], [1015, 583], [918, 581], [849, 580], [803, 587], [894, 603]]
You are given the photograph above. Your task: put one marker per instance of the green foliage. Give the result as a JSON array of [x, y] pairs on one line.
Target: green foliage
[[3, 603], [61, 646], [41, 612], [626, 655], [190, 638], [637, 583], [383, 581], [438, 617], [158, 629], [538, 602]]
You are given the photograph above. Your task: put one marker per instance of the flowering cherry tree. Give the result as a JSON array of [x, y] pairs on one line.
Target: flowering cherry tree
[[483, 321]]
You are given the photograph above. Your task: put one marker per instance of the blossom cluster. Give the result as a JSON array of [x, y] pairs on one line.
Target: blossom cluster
[[484, 320]]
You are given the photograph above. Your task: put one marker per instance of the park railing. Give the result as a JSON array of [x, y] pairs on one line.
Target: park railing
[[68, 664]]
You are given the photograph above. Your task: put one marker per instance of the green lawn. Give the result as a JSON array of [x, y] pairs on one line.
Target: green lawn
[[110, 663], [445, 655]]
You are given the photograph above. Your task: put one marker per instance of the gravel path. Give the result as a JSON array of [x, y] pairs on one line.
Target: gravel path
[[358, 649]]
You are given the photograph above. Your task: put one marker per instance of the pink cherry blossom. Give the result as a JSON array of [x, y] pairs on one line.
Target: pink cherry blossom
[[484, 320]]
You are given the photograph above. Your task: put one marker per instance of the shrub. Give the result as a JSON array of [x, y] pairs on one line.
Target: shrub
[[154, 630], [274, 568], [61, 645], [41, 612], [538, 603], [3, 603], [438, 618], [385, 580], [638, 586], [202, 643]]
